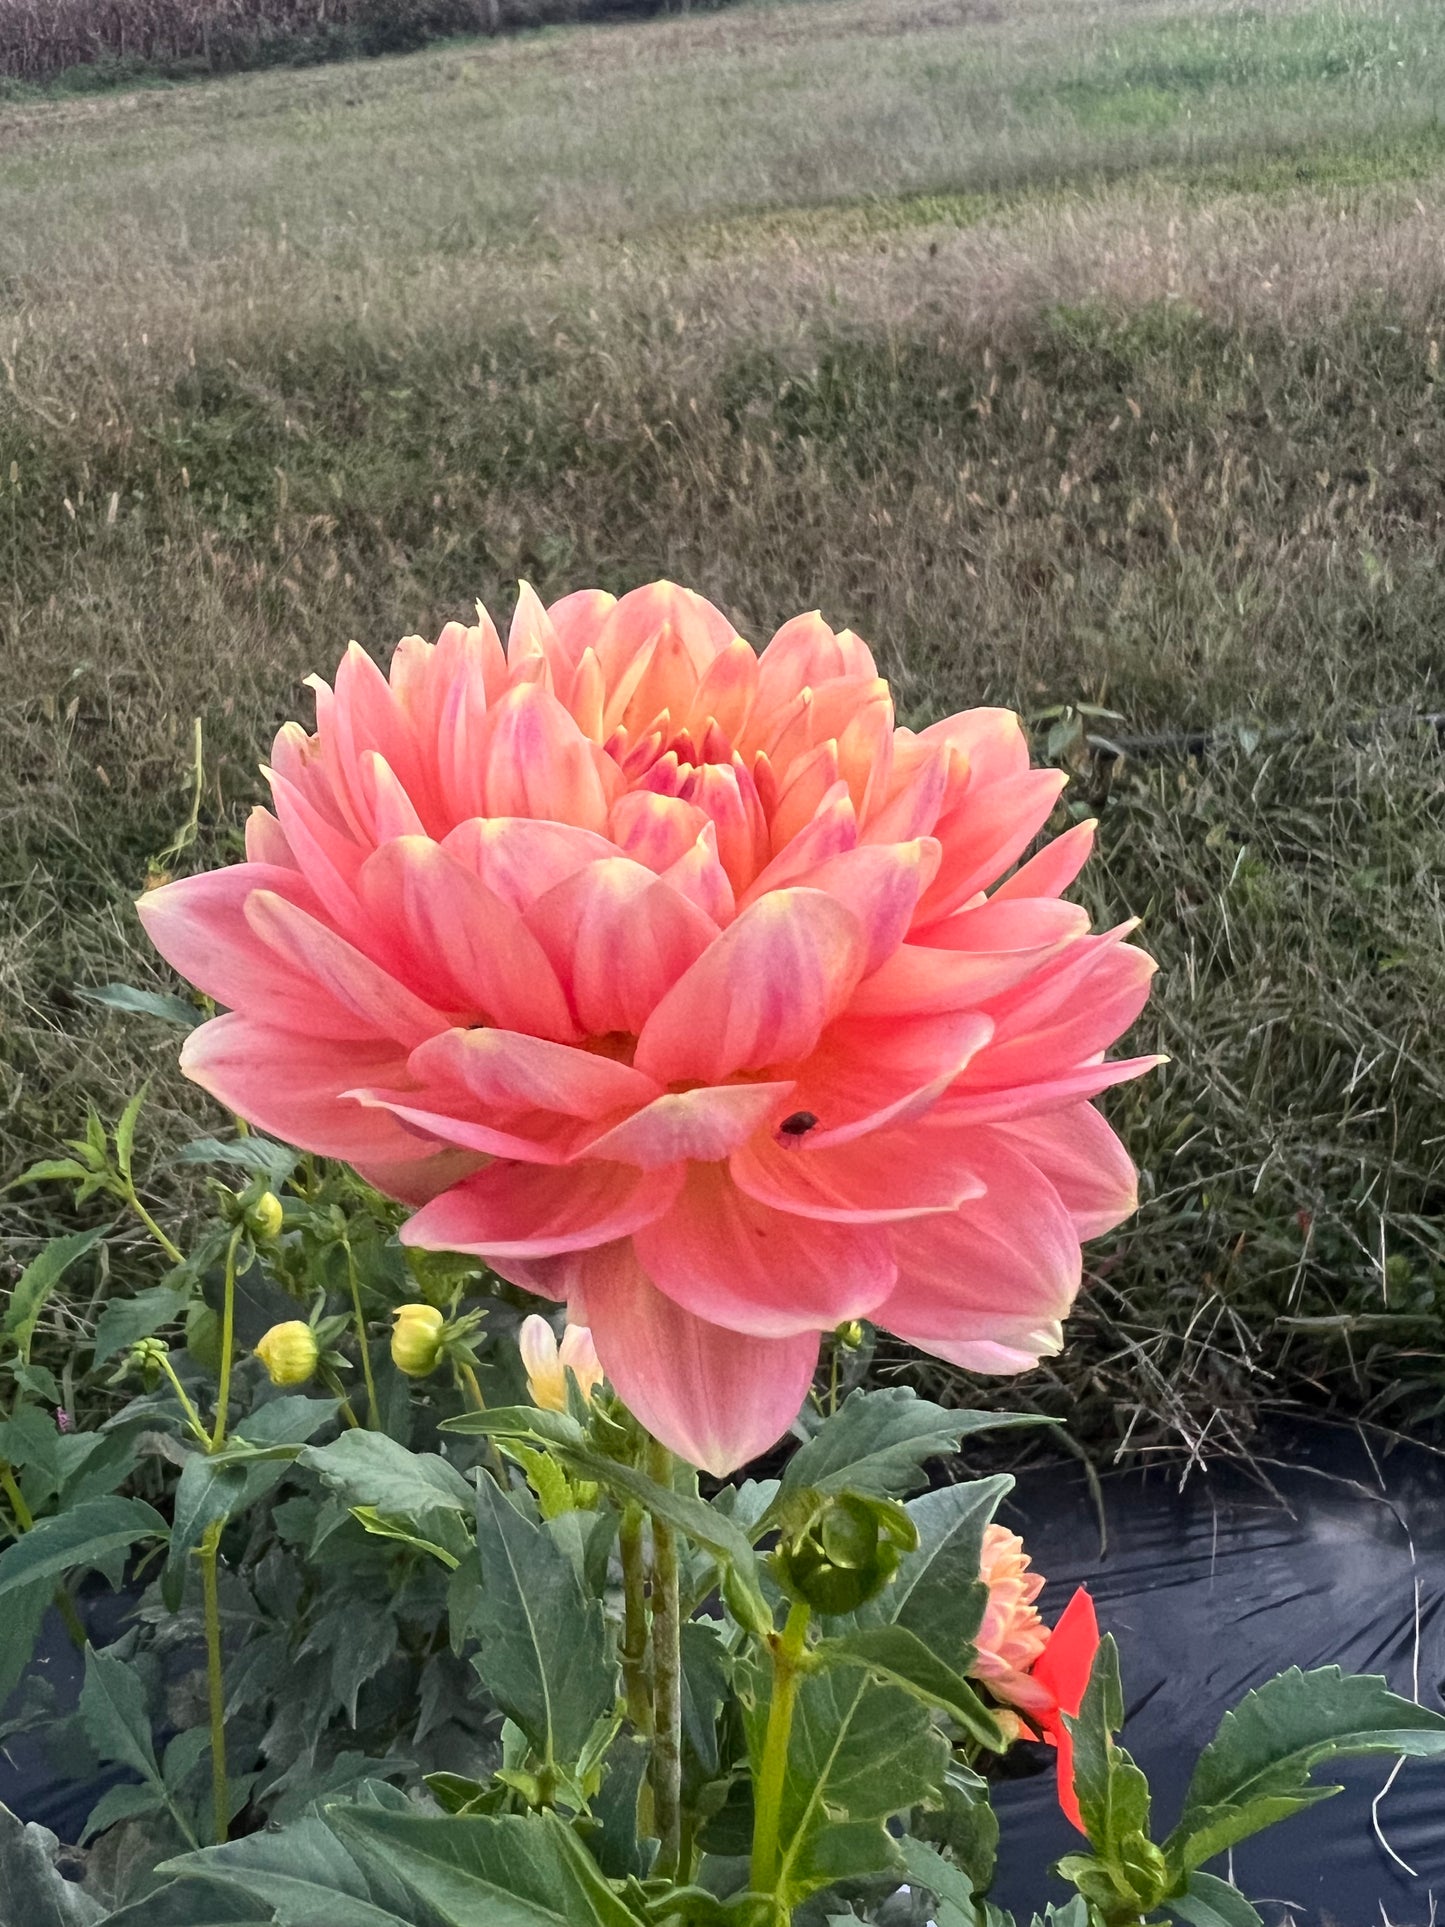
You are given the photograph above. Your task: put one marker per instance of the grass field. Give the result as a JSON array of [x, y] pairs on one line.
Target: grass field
[[1071, 350]]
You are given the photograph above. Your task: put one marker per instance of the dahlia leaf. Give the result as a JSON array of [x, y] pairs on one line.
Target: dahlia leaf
[[302, 1872], [1207, 1902], [895, 1654], [1256, 1769], [878, 1443], [859, 1754], [951, 1886], [35, 1284], [186, 1903], [1113, 1794], [32, 1892], [543, 1646], [143, 1003], [89, 1534], [370, 1469], [506, 1870]]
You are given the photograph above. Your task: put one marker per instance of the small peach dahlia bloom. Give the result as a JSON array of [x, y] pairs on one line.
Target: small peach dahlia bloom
[[679, 984], [1012, 1635]]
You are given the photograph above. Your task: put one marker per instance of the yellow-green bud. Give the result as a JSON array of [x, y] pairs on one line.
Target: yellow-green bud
[[289, 1352], [264, 1216], [416, 1340], [850, 1336]]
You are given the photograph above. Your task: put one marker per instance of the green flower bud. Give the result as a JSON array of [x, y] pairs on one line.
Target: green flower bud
[[289, 1352], [847, 1552], [850, 1336], [263, 1219], [416, 1340]]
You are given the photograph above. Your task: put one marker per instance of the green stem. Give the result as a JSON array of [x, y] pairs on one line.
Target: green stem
[[474, 1390], [193, 1417], [25, 1521], [373, 1410], [666, 1676], [788, 1650], [228, 1341], [209, 1555], [634, 1619], [171, 1249]]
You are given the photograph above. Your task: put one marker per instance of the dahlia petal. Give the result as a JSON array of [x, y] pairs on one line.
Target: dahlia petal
[[634, 621], [832, 829], [539, 764], [347, 976], [726, 692], [458, 943], [802, 792], [727, 795], [868, 1073], [520, 859], [655, 830], [534, 1211], [806, 651], [986, 831], [715, 1397], [701, 878], [704, 1124], [532, 636], [999, 1267], [547, 1140], [1063, 1669], [417, 1180], [392, 811], [1051, 872], [289, 1084], [945, 973], [577, 620], [199, 925], [1080, 1011], [1007, 1105], [761, 994], [880, 883], [508, 1071], [725, 1256], [327, 857], [862, 1180], [621, 938], [665, 684], [993, 740], [266, 841], [917, 785], [1082, 1158]]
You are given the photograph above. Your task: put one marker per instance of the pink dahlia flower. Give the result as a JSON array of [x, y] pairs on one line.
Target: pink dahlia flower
[[676, 982], [1012, 1635]]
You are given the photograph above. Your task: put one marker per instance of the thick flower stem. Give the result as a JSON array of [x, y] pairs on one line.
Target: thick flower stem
[[373, 1410], [788, 1650], [228, 1341], [209, 1555], [634, 1619], [666, 1676]]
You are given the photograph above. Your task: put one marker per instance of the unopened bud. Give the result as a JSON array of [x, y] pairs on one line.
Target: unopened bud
[[548, 1363], [850, 1336], [263, 1219], [416, 1340], [289, 1352]]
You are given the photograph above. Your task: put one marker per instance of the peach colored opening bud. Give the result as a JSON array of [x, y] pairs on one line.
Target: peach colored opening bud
[[1012, 1635], [416, 1340], [548, 1363], [289, 1352]]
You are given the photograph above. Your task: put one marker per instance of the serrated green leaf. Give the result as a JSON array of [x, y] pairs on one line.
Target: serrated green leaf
[[963, 1821], [950, 1886], [304, 1873], [143, 1003], [370, 1469], [895, 1654], [370, 1520], [128, 1802], [519, 1422], [289, 1420], [35, 1284], [192, 1903], [113, 1713], [1207, 1902], [126, 1320], [487, 1871], [125, 1131], [32, 1892], [858, 1755], [878, 1443], [251, 1153], [88, 1535], [1256, 1769], [1113, 1794], [542, 1644], [49, 1171], [19, 1629], [206, 1492]]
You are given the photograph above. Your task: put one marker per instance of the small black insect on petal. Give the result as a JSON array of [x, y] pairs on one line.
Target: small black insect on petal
[[798, 1125]]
